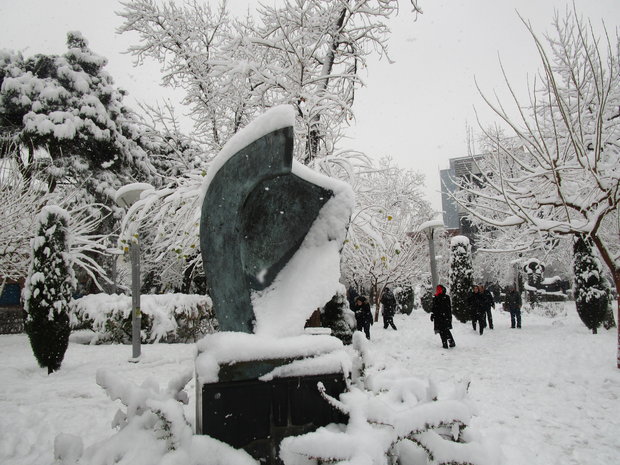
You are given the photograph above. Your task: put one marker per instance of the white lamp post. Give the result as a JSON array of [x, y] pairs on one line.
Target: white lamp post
[[125, 197], [429, 228]]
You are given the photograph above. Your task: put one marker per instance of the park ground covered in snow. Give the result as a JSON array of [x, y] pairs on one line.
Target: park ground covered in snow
[[545, 394]]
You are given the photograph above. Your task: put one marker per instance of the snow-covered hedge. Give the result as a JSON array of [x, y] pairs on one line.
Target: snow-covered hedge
[[165, 318]]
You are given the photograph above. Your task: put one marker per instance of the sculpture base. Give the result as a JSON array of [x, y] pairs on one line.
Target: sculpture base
[[256, 415]]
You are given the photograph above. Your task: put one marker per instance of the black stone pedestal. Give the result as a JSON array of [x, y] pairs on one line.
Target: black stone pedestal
[[256, 415]]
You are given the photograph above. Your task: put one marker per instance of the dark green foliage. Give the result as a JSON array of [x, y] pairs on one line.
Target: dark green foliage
[[333, 317], [49, 287], [426, 296], [405, 298], [461, 277], [591, 289], [68, 106]]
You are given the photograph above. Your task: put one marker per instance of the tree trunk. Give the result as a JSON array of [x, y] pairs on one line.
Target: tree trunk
[[615, 272]]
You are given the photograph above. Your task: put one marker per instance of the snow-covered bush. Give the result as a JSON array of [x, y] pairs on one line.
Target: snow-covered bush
[[591, 289], [405, 296], [339, 318], [165, 318], [393, 417], [48, 288], [152, 430], [547, 309], [461, 277], [426, 295]]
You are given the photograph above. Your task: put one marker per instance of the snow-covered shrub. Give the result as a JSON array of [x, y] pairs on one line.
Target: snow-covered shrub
[[152, 429], [405, 297], [461, 277], [48, 288], [426, 295], [339, 318], [389, 412], [547, 309], [165, 318], [591, 289]]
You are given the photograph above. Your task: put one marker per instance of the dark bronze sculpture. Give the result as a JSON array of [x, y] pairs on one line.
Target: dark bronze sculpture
[[255, 215]]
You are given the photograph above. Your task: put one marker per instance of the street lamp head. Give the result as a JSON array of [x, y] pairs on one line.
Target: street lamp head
[[127, 195], [428, 227]]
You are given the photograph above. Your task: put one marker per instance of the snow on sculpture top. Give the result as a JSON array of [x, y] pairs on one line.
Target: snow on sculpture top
[[271, 231]]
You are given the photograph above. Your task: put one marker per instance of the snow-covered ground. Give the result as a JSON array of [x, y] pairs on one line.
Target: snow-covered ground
[[546, 394]]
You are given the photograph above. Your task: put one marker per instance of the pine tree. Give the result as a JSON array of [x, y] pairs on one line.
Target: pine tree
[[591, 288], [48, 289], [461, 277]]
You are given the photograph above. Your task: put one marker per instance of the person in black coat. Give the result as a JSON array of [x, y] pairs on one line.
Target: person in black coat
[[363, 315], [389, 307], [487, 303], [441, 316], [513, 305], [476, 310], [351, 295]]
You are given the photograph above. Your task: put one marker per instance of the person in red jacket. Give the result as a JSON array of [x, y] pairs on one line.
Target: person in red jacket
[[441, 315]]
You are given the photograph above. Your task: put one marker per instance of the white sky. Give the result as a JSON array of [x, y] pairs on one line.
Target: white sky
[[415, 109]]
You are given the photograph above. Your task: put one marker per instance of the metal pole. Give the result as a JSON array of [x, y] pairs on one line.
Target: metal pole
[[431, 251], [136, 316]]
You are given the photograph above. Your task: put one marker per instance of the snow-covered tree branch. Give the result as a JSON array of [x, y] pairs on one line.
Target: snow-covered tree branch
[[559, 172]]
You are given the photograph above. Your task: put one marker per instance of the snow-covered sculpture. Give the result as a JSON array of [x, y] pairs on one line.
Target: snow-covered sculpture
[[271, 231]]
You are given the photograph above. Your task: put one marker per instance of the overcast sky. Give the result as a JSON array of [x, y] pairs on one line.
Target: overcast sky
[[415, 110]]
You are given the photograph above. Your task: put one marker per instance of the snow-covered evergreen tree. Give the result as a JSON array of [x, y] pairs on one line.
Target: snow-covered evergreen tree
[[49, 288], [461, 277], [67, 108], [591, 289]]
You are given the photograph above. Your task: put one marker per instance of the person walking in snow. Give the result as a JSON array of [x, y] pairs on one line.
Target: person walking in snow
[[351, 296], [441, 316], [476, 310], [487, 303], [363, 315], [388, 301], [513, 304]]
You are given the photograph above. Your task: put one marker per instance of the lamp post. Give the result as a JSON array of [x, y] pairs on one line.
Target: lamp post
[[125, 197], [428, 228]]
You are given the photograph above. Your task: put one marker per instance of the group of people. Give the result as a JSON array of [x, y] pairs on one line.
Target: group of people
[[480, 303], [363, 315]]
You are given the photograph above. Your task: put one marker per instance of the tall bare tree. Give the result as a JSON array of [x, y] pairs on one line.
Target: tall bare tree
[[378, 250], [559, 173], [307, 53]]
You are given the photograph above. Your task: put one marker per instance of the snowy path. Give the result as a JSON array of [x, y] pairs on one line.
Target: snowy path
[[547, 394]]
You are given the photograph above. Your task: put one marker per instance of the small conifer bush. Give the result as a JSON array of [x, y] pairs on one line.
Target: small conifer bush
[[461, 277], [591, 288], [48, 289]]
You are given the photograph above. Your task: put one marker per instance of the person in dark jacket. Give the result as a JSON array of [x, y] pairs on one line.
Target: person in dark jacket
[[363, 315], [487, 303], [351, 295], [389, 307], [441, 316], [513, 305], [476, 310]]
